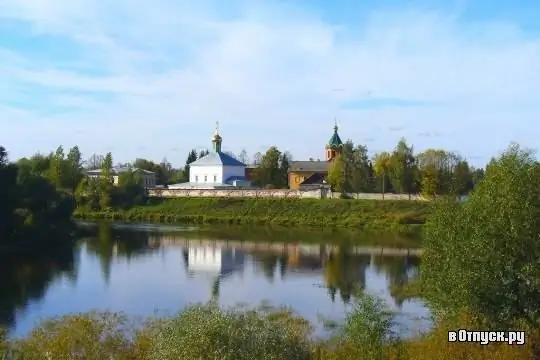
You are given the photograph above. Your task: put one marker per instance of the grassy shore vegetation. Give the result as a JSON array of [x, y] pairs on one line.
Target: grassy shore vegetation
[[392, 216], [207, 332], [480, 272]]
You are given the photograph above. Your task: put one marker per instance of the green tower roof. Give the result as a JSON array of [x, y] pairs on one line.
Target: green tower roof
[[335, 140]]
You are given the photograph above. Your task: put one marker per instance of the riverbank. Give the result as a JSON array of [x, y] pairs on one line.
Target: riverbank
[[404, 217], [208, 332]]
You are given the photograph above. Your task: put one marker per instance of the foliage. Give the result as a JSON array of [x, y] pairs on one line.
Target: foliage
[[367, 331], [483, 255], [381, 164], [165, 174], [272, 170], [207, 332], [337, 174], [31, 203], [192, 156], [403, 174], [398, 216]]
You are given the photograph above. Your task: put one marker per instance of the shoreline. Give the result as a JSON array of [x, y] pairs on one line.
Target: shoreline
[[260, 234], [393, 217]]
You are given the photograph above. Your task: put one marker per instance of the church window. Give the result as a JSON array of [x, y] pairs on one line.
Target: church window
[[196, 178], [215, 178], [205, 178]]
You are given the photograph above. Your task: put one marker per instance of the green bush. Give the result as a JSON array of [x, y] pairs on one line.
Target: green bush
[[208, 332]]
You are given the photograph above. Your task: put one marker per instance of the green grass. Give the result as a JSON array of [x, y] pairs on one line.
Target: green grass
[[366, 215]]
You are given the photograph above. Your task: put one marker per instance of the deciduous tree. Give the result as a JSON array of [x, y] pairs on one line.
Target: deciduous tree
[[482, 256], [336, 175]]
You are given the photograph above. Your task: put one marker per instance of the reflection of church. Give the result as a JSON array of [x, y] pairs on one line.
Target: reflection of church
[[213, 262]]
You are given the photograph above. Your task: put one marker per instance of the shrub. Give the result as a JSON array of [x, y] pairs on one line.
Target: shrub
[[208, 332]]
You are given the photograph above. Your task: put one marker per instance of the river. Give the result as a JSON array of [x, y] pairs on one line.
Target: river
[[144, 269]]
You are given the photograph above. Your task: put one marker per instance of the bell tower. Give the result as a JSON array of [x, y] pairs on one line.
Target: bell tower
[[335, 145]]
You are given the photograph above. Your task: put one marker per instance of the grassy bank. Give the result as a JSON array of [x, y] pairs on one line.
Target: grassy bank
[[209, 333], [366, 215]]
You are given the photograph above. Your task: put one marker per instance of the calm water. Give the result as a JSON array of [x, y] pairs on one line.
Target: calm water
[[143, 269]]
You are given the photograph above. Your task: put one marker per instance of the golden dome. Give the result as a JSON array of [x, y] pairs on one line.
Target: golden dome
[[216, 137]]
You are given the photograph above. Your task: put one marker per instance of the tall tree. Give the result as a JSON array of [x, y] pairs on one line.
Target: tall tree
[[74, 173], [106, 182], [381, 168], [361, 176], [192, 156], [243, 156], [8, 194], [268, 172], [257, 157], [462, 178], [482, 256], [203, 153], [284, 163], [57, 171], [94, 162], [403, 168], [107, 167], [336, 174]]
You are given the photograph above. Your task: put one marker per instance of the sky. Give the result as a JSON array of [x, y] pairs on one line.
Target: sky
[[151, 78]]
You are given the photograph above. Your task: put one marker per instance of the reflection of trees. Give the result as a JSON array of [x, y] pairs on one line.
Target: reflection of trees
[[399, 270], [110, 243], [215, 288], [283, 265], [268, 263], [26, 278], [345, 272]]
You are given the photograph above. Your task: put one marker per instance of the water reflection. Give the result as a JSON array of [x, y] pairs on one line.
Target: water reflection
[[25, 278], [138, 272], [113, 243], [214, 263]]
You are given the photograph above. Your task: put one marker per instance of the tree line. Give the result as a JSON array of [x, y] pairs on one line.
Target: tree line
[[31, 203], [431, 172]]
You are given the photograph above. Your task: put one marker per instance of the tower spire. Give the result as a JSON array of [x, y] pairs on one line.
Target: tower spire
[[334, 146], [216, 139]]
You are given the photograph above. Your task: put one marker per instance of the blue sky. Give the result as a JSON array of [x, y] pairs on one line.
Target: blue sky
[[150, 79]]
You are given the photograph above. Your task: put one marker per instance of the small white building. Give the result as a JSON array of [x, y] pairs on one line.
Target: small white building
[[216, 170], [148, 177]]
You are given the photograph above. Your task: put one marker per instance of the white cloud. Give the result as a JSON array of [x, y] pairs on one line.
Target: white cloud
[[267, 74]]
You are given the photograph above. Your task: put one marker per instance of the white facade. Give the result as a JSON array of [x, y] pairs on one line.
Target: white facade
[[211, 174]]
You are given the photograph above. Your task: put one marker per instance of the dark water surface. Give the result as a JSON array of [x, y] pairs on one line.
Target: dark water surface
[[141, 269]]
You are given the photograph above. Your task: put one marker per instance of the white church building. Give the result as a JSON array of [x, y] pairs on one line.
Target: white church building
[[216, 170]]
